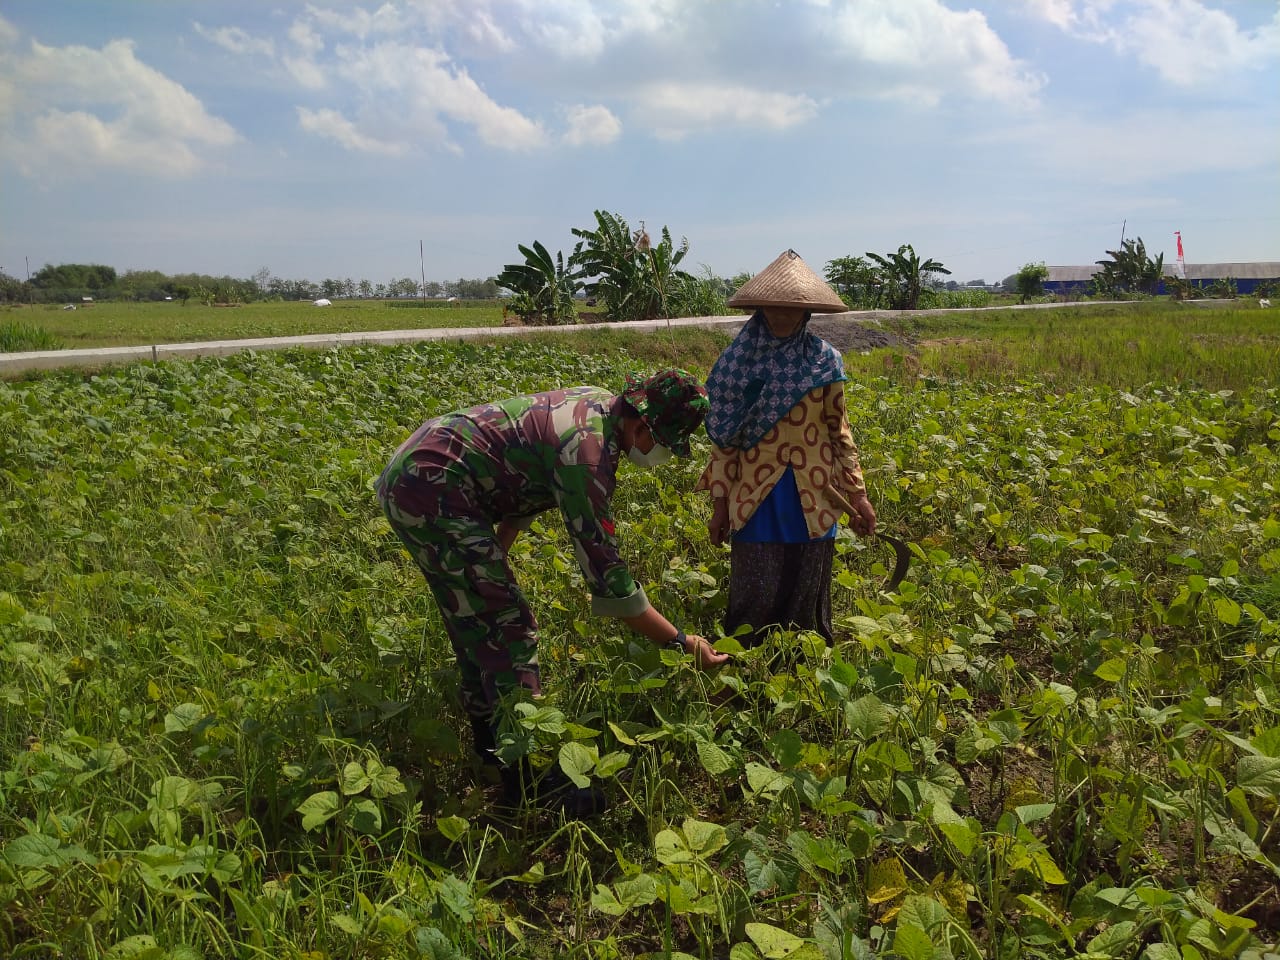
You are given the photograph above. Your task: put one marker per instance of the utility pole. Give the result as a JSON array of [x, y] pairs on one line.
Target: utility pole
[[422, 266], [27, 261]]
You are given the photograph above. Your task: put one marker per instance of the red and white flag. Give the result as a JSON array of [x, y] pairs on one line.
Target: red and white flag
[[1182, 263]]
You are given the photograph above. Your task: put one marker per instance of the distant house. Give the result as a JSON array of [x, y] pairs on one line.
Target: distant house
[[1066, 280], [86, 301]]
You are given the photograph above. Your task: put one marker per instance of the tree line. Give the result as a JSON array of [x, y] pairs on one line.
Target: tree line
[[72, 282], [625, 272]]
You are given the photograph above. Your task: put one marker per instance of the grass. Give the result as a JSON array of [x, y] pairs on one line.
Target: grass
[[1117, 345], [128, 324], [20, 335], [227, 725]]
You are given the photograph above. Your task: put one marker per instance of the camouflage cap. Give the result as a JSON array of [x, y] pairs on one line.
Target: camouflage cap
[[673, 403]]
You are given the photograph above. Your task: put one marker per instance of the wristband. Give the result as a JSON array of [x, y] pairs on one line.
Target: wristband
[[679, 642]]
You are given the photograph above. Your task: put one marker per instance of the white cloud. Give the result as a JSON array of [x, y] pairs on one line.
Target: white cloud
[[923, 50], [358, 21], [675, 110], [334, 126], [419, 87], [1185, 41], [8, 33], [1061, 13], [594, 126], [305, 72], [235, 40], [123, 114]]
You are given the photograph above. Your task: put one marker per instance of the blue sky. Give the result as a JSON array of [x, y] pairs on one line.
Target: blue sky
[[326, 139]]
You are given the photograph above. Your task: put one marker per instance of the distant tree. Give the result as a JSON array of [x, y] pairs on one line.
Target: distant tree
[[544, 286], [904, 275], [857, 280], [632, 277], [380, 291], [1129, 271], [11, 289], [260, 282], [366, 289], [1029, 281], [737, 281]]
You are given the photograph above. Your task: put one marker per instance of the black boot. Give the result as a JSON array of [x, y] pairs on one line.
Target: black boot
[[551, 790]]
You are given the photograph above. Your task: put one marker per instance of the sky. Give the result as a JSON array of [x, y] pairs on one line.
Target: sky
[[327, 139]]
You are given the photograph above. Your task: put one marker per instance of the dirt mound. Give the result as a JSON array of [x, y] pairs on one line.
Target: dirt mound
[[848, 335]]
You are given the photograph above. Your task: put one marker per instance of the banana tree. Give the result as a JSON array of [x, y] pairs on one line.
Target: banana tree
[[1130, 270], [904, 275], [634, 278], [544, 286]]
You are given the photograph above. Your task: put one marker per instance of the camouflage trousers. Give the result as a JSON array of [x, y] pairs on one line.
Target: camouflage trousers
[[491, 628]]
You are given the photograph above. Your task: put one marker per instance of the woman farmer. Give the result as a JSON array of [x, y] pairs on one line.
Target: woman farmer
[[462, 487], [784, 466]]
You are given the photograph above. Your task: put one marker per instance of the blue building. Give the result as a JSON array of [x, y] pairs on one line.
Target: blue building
[[1247, 276]]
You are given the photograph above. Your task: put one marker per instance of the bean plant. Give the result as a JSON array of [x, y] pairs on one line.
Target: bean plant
[[229, 724]]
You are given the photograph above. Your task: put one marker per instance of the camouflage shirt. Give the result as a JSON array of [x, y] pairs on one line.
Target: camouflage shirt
[[519, 457]]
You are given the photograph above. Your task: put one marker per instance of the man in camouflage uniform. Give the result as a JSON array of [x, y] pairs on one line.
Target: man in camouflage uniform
[[463, 486]]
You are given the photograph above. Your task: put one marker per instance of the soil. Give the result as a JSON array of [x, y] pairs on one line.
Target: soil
[[848, 335]]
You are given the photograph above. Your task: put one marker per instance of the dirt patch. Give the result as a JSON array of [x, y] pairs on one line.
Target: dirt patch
[[949, 342], [848, 335]]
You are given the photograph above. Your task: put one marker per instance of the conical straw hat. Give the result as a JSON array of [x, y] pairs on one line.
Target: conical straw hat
[[788, 282]]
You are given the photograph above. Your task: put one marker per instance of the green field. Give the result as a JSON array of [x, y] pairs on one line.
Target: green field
[[125, 324], [227, 726]]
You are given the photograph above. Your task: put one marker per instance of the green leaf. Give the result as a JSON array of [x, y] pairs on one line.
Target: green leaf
[[608, 765], [775, 943], [354, 780], [715, 759], [1259, 776], [319, 808], [1114, 941], [868, 716], [364, 815], [912, 943], [577, 760], [705, 838], [1161, 951], [1111, 670], [452, 828], [787, 746], [384, 781], [766, 780], [1031, 812], [183, 717], [142, 946], [963, 834], [1226, 610]]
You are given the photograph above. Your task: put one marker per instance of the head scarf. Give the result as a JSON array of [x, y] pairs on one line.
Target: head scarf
[[759, 377]]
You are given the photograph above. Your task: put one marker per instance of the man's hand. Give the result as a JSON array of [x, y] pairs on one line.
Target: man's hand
[[718, 527], [863, 516], [705, 656]]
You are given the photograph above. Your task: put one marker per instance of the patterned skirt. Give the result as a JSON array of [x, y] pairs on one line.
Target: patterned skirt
[[780, 585]]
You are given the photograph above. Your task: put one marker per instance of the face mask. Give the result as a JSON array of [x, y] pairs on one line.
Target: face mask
[[659, 454]]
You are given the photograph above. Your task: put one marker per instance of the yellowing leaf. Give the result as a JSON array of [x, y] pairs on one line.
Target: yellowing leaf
[[885, 881]]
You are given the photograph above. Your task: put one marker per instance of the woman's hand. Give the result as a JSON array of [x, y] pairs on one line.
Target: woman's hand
[[718, 527], [863, 516]]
